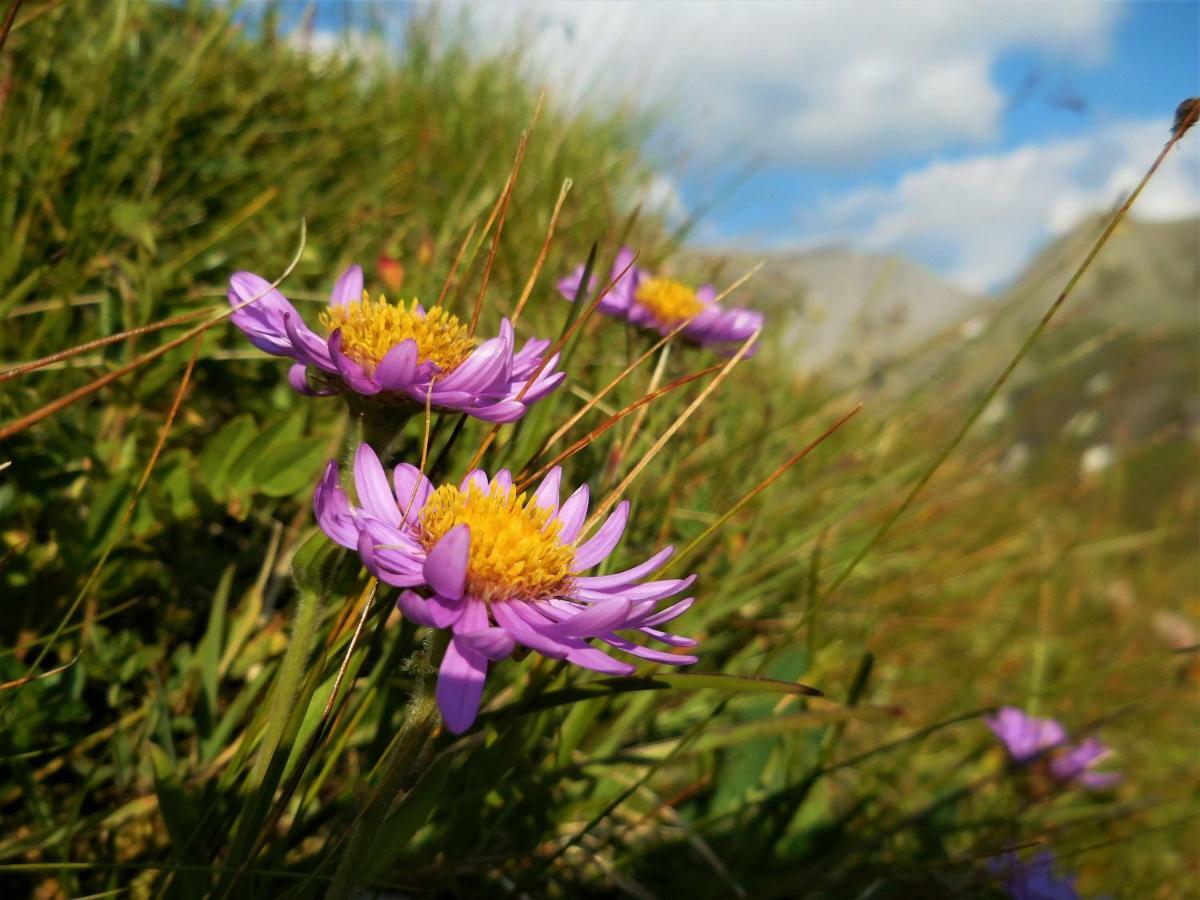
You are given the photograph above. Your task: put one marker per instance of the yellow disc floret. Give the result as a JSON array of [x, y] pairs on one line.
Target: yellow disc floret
[[669, 301], [371, 328], [515, 549]]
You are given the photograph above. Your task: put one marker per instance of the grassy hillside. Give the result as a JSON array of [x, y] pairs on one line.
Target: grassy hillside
[[147, 151]]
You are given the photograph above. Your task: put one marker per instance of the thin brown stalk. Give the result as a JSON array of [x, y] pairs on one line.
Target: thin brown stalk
[[369, 599], [91, 387], [89, 615], [84, 592], [462, 249], [33, 365], [505, 196], [636, 426], [9, 18], [595, 433], [737, 284], [543, 253], [765, 483], [39, 676], [548, 355], [596, 398], [620, 489], [424, 449]]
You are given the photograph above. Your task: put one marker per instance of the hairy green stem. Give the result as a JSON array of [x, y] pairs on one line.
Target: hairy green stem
[[399, 771], [287, 682]]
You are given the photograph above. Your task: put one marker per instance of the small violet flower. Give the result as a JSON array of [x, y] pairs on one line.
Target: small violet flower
[[500, 569], [1032, 880], [1027, 738], [394, 353], [662, 304]]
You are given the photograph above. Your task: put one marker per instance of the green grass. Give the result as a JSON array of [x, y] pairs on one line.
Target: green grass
[[147, 151]]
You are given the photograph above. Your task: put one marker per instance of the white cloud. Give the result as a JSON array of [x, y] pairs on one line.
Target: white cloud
[[812, 82], [982, 216]]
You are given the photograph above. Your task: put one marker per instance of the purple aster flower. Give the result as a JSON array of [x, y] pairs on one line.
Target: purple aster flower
[[500, 569], [391, 352], [662, 304], [1033, 880], [1023, 736], [1027, 738], [1076, 764]]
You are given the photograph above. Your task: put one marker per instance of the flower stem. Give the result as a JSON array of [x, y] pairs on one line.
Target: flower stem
[[399, 771]]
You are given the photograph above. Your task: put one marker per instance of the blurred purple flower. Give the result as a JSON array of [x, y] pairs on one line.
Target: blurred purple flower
[[392, 352], [1032, 880], [499, 569], [1075, 764], [1027, 738], [662, 304]]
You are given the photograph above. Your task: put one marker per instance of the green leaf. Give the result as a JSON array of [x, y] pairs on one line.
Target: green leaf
[[134, 221], [410, 814], [685, 681], [275, 433], [221, 452], [288, 468]]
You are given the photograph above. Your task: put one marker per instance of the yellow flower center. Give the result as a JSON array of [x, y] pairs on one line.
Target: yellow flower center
[[667, 300], [371, 328], [515, 554]]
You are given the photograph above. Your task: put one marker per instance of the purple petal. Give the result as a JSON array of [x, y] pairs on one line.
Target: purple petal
[[371, 482], [597, 661], [545, 383], [398, 368], [412, 490], [525, 633], [483, 368], [446, 565], [501, 482], [546, 496], [671, 640], [572, 514], [599, 618], [501, 413], [332, 509], [415, 607], [475, 477], [671, 612], [350, 371], [1099, 781], [446, 612], [494, 643], [647, 590], [601, 544], [460, 685], [658, 656], [348, 288], [307, 347], [618, 579]]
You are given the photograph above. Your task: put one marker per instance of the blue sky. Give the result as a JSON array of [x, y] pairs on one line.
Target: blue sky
[[963, 135]]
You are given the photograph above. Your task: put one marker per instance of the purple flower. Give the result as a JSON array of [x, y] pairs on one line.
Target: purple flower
[[1032, 880], [1027, 738], [394, 353], [1075, 764], [500, 569], [662, 304]]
